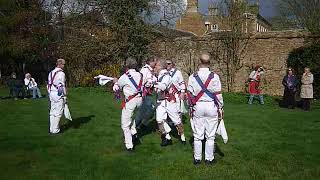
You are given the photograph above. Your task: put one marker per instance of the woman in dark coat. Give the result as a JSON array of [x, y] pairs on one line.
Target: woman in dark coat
[[290, 84]]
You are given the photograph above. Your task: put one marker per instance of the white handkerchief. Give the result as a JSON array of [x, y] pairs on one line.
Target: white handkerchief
[[103, 80], [222, 131], [67, 114]]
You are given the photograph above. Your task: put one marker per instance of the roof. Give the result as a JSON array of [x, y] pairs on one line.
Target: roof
[[171, 33], [264, 20]]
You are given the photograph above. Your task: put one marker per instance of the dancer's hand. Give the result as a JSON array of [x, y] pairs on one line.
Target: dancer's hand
[[115, 80], [220, 114], [115, 87], [182, 96]]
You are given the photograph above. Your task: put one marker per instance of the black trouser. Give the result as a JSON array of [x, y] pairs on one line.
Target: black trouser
[[289, 98], [16, 91], [306, 104]]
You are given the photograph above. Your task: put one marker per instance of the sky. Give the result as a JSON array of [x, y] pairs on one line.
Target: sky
[[267, 7]]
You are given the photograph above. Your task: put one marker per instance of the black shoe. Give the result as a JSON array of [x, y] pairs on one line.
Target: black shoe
[[183, 142], [135, 140], [210, 163], [165, 141], [130, 150], [196, 162], [54, 134]]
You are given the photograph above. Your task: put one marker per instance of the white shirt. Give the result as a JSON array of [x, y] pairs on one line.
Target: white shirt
[[58, 81], [148, 77], [126, 85], [31, 83], [163, 83], [253, 75], [214, 86], [177, 80]]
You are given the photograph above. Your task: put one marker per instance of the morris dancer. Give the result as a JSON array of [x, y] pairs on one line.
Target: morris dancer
[[177, 91], [164, 107], [57, 95], [147, 109], [204, 93], [254, 84], [131, 85]]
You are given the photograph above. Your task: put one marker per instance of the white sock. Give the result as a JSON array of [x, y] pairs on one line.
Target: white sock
[[168, 136], [183, 138]]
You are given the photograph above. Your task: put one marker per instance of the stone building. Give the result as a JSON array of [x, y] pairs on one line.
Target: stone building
[[199, 24], [192, 20]]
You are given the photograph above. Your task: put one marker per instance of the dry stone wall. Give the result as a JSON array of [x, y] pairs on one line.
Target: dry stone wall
[[269, 49]]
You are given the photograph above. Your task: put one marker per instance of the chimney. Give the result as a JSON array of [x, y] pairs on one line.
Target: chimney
[[192, 6]]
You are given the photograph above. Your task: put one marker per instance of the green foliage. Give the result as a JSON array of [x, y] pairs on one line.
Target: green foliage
[[304, 13], [27, 36], [91, 40], [308, 56], [131, 35]]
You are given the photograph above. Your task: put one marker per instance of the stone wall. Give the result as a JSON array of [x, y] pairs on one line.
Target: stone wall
[[269, 49]]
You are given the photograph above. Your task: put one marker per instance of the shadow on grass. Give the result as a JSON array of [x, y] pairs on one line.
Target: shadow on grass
[[217, 149], [282, 104], [145, 130], [21, 97], [76, 123]]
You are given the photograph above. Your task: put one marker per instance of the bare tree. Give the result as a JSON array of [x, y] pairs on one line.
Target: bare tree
[[304, 12], [230, 49], [167, 11]]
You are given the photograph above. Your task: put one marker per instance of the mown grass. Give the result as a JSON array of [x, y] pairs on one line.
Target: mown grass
[[266, 142]]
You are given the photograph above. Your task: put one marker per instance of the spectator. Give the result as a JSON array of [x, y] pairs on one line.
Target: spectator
[[32, 86], [254, 84], [290, 84], [306, 93], [16, 87]]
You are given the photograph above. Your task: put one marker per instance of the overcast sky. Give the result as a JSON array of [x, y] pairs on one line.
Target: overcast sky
[[267, 7]]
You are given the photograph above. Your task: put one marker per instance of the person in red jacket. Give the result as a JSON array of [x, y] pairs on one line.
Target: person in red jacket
[[254, 84]]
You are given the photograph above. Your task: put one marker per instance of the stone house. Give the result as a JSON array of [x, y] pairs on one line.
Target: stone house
[[199, 24]]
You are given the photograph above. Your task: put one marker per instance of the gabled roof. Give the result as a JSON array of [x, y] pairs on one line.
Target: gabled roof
[[171, 33]]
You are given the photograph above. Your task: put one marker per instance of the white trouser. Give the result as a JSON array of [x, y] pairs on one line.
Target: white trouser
[[128, 126], [165, 109], [56, 111], [204, 124]]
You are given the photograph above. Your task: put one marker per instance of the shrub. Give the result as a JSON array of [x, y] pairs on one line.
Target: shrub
[[307, 57], [110, 70]]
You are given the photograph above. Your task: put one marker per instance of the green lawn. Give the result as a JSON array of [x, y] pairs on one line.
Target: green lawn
[[266, 142]]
